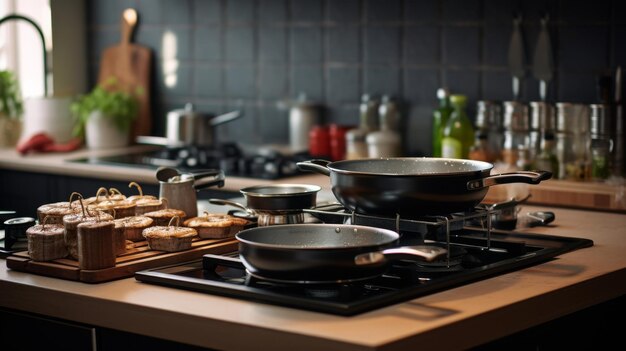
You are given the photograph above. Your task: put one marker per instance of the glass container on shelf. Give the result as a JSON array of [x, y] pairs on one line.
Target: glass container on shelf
[[385, 142], [489, 122], [481, 150], [458, 135], [546, 160], [601, 142], [356, 146], [515, 123], [440, 119]]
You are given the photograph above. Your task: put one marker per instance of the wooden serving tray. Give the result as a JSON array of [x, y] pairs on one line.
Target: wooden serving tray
[[137, 257]]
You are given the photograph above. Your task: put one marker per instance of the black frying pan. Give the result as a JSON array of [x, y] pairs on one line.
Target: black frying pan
[[281, 197], [324, 253], [416, 186]]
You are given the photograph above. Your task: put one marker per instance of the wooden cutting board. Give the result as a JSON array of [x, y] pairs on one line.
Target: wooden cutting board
[[131, 65], [137, 258]]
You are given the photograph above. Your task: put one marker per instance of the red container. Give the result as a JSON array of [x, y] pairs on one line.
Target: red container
[[319, 142], [337, 135]]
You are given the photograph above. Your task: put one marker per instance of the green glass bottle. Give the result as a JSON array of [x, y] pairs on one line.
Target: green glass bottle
[[458, 135], [440, 119]]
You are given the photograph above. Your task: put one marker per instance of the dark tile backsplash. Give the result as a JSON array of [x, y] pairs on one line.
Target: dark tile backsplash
[[250, 54]]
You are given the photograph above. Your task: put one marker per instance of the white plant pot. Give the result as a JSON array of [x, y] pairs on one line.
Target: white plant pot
[[50, 115], [102, 133]]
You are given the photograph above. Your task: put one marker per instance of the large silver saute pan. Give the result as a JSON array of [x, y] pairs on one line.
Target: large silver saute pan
[[324, 253], [413, 187]]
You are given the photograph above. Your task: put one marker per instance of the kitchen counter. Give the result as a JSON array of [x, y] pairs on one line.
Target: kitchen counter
[[454, 319], [60, 164], [597, 196]]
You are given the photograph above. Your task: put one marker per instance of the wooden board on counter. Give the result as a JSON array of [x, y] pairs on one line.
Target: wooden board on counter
[[566, 193], [138, 257]]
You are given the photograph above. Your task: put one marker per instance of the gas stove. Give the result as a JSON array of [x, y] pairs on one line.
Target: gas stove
[[474, 253], [229, 157]]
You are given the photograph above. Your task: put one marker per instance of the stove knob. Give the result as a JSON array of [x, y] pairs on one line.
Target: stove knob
[[229, 165], [191, 162], [244, 166], [183, 153], [271, 170], [288, 168]]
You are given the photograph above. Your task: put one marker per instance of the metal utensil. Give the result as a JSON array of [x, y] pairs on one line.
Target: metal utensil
[[543, 63], [516, 57], [540, 218]]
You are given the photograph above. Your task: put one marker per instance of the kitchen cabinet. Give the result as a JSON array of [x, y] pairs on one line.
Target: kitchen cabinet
[[588, 329], [23, 191], [56, 334], [43, 333]]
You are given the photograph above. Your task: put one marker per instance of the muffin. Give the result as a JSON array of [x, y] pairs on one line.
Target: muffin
[[163, 217], [141, 196], [132, 227], [119, 209], [146, 204], [169, 239], [215, 226], [55, 212], [46, 242], [70, 224], [96, 245]]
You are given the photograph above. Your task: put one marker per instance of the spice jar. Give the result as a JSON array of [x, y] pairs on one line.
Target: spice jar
[[337, 136], [601, 142], [319, 142]]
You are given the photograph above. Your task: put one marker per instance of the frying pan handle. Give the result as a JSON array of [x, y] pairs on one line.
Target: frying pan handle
[[529, 177], [317, 166], [202, 182], [231, 203], [418, 252]]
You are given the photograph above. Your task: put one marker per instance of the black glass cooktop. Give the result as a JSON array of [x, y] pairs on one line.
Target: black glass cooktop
[[480, 258], [228, 157]]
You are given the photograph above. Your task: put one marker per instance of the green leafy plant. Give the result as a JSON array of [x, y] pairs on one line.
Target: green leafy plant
[[120, 106], [10, 97]]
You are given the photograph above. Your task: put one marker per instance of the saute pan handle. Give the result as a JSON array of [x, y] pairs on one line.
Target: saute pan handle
[[529, 177], [202, 180], [231, 203], [419, 252], [317, 166]]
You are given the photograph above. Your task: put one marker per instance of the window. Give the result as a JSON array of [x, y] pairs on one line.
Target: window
[[21, 47]]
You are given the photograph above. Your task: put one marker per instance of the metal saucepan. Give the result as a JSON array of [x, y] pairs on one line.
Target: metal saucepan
[[324, 253], [276, 203], [414, 186], [188, 127]]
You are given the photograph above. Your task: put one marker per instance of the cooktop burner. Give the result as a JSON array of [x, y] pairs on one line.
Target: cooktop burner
[[475, 256], [229, 157]]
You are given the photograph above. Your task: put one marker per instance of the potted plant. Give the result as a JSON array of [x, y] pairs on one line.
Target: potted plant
[[10, 109], [105, 115]]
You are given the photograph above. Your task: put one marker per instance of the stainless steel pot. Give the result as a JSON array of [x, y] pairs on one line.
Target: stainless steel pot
[[189, 127]]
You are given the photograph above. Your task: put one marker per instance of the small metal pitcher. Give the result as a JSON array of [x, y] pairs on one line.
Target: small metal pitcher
[[180, 190]]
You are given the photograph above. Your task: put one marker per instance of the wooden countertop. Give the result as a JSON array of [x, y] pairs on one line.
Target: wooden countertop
[[495, 307], [597, 196], [61, 164]]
